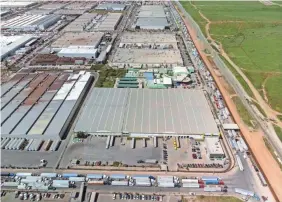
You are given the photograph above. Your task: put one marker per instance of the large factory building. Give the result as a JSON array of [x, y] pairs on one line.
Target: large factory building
[[147, 113], [41, 105]]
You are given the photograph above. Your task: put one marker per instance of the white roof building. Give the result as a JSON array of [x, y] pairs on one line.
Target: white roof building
[[213, 147], [78, 52]]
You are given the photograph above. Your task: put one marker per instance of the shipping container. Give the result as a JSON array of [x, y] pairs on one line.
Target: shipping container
[[190, 181], [4, 142], [48, 145], [69, 175], [93, 197], [243, 143], [165, 178], [120, 183], [155, 141], [94, 176], [141, 176], [118, 176], [29, 144], [151, 161], [143, 183], [166, 184], [31, 179], [244, 192], [212, 189], [108, 142], [191, 185], [210, 178], [262, 179], [49, 175], [5, 174], [133, 143], [23, 174], [96, 182], [77, 179], [240, 164], [10, 184], [60, 183]]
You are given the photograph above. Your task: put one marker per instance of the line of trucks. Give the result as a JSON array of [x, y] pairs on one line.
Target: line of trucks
[[67, 180]]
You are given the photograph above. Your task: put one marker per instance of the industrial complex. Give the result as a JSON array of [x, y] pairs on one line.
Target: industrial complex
[[41, 105], [104, 101]]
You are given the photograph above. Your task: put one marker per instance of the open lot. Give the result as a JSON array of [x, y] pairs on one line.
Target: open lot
[[251, 39], [94, 149], [212, 199], [187, 155]]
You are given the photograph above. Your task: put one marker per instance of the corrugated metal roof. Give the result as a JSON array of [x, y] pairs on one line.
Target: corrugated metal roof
[[63, 92]]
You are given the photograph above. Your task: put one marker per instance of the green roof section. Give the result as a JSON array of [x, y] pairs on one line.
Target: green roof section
[[128, 82], [128, 79], [127, 86]]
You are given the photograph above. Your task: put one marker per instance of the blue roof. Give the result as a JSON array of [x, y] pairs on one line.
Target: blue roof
[[209, 178], [117, 176], [95, 176], [149, 75]]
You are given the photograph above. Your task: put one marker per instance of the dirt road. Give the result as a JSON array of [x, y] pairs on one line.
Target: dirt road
[[271, 114], [254, 139]]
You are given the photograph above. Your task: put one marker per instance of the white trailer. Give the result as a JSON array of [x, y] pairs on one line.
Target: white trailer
[[241, 167], [108, 142], [155, 141], [166, 184], [4, 143], [212, 189], [191, 185], [120, 183], [112, 141], [244, 192], [133, 143], [29, 144], [190, 181], [240, 146], [77, 179], [243, 143]]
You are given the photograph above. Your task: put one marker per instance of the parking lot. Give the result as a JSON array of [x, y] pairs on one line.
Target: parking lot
[[129, 197], [30, 159], [33, 196], [94, 149], [189, 152]]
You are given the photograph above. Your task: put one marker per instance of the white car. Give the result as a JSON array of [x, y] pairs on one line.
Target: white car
[[114, 196]]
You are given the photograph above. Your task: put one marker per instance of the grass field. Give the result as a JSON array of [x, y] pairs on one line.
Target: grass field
[[251, 34]]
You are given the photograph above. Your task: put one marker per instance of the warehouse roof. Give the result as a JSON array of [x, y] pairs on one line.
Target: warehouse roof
[[78, 50], [78, 39], [16, 3], [163, 111], [152, 23], [110, 6], [148, 38], [147, 56], [213, 145]]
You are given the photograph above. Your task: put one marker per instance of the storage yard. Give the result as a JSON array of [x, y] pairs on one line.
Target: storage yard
[[30, 22], [41, 105]]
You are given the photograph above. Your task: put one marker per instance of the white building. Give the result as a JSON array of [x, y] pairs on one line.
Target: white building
[[213, 147], [78, 52]]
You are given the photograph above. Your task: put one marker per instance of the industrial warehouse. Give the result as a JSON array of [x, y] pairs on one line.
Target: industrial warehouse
[[151, 17], [30, 22], [10, 44], [146, 58], [147, 113], [41, 105], [95, 22], [111, 7]]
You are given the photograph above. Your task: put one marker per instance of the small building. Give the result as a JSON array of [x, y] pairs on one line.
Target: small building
[[213, 147]]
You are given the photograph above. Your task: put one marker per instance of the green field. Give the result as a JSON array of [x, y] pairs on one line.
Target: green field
[[214, 199], [251, 34]]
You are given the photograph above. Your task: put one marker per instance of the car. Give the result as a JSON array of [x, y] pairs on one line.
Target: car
[[114, 196], [143, 197]]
